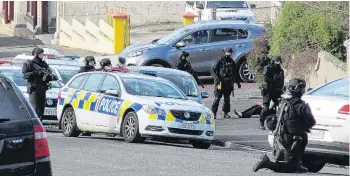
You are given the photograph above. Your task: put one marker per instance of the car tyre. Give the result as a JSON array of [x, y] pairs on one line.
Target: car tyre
[[130, 128], [313, 167], [247, 75], [200, 144], [69, 123]]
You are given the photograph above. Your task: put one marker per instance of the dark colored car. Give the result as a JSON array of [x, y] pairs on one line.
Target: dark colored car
[[23, 141]]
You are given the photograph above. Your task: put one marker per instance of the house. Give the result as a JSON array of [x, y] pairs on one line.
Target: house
[[22, 18]]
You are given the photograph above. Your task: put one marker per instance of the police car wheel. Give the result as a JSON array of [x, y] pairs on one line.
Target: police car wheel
[[200, 144], [131, 128], [69, 124]]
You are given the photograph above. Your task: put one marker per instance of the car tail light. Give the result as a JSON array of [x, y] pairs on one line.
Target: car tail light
[[59, 96], [41, 143], [344, 110]]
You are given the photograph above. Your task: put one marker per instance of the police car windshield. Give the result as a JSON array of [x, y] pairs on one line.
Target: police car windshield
[[186, 83], [67, 74], [17, 77], [151, 87]]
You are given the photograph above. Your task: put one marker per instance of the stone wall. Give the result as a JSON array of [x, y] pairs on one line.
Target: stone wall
[[141, 12]]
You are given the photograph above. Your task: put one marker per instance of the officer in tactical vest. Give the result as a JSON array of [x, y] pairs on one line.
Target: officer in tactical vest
[[89, 65], [184, 65], [38, 76], [106, 65], [296, 121], [225, 75], [272, 87]]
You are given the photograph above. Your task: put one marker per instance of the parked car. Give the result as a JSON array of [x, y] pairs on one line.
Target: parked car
[[24, 145], [63, 72], [183, 80], [222, 10], [329, 138], [204, 41], [50, 59], [14, 73]]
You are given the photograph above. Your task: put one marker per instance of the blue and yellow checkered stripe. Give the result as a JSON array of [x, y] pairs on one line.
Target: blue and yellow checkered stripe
[[170, 118]]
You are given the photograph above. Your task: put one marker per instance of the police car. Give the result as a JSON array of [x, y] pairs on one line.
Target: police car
[[135, 106]]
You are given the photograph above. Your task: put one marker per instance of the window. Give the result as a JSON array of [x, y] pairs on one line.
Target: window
[[197, 38], [93, 82], [229, 34], [187, 84], [67, 74], [151, 87], [77, 81], [110, 83], [338, 89], [11, 106]]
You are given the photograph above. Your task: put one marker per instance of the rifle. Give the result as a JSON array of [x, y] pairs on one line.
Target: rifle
[[278, 148], [46, 73]]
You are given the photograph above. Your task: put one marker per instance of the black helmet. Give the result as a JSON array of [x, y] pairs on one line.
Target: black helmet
[[121, 60], [227, 50], [37, 51], [276, 59], [296, 87], [184, 54], [89, 59], [105, 62]]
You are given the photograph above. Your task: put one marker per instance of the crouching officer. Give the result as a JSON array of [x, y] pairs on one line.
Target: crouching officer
[[272, 88], [184, 65], [106, 65], [89, 65], [38, 76], [291, 134], [225, 74]]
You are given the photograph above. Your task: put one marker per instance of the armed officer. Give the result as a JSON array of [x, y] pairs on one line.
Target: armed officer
[[38, 76], [184, 65], [297, 120], [106, 65], [272, 87], [225, 75], [89, 65]]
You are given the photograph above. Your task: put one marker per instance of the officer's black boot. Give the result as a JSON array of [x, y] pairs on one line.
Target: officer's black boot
[[263, 163], [301, 168], [261, 125]]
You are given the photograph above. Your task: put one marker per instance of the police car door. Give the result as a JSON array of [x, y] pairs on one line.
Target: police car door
[[89, 98], [109, 103]]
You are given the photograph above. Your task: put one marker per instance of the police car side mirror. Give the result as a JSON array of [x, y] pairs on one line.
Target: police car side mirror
[[113, 93], [204, 94], [253, 6]]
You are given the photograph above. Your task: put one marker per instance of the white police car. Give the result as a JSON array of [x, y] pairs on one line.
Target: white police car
[[135, 106]]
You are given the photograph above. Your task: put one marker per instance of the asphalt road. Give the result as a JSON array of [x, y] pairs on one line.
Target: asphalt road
[[100, 155]]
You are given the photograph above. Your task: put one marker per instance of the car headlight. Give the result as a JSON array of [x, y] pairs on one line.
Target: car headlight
[[153, 110], [208, 115], [137, 53]]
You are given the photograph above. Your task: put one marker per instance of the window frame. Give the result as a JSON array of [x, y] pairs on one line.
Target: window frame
[[98, 86], [326, 86], [119, 85], [222, 28], [208, 41], [84, 75]]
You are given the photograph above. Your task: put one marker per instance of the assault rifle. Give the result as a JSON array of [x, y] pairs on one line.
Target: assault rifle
[[46, 73], [278, 148]]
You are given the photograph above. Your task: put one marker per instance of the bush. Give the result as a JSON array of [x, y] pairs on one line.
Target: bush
[[302, 31]]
